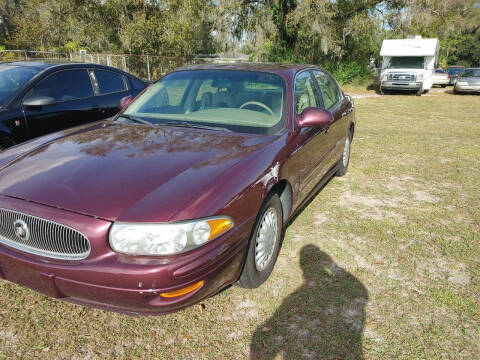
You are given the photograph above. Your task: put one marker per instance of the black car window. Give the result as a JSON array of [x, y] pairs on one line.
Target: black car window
[[331, 93], [65, 85], [109, 82], [305, 92]]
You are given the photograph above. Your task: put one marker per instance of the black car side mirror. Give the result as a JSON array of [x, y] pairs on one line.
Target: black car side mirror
[[38, 101]]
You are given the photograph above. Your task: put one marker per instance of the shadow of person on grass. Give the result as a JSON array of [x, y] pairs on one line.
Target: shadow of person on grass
[[323, 319]]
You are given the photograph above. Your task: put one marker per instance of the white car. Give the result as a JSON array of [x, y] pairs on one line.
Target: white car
[[441, 78]]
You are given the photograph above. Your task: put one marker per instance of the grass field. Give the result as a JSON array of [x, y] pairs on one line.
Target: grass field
[[383, 263]]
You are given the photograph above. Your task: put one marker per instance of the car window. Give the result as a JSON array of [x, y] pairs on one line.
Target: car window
[[205, 88], [244, 101], [109, 82], [12, 79], [65, 85], [305, 92], [137, 83], [331, 93]]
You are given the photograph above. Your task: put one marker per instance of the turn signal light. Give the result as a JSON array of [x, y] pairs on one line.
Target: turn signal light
[[183, 291], [218, 227]]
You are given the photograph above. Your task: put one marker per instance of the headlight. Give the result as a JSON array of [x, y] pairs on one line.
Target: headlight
[[167, 238], [384, 77], [420, 77]]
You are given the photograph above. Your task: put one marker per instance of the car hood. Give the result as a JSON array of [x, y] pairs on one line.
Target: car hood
[[122, 172]]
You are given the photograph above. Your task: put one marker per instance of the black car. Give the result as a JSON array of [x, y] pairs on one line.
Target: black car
[[37, 98], [454, 71]]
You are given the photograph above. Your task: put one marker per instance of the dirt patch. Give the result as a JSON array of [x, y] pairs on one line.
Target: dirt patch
[[370, 207], [423, 196]]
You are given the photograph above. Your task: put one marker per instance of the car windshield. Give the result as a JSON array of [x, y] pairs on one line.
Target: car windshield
[[471, 73], [407, 62], [242, 101], [12, 78]]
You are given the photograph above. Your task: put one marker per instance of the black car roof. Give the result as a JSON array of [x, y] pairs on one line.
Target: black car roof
[[43, 65]]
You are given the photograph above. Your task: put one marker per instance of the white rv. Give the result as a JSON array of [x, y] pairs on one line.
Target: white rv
[[408, 64]]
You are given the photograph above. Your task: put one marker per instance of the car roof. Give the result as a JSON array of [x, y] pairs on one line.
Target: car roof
[[263, 67], [43, 65]]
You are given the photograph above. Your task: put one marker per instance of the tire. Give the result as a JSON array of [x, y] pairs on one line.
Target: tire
[[345, 159], [444, 86], [255, 271]]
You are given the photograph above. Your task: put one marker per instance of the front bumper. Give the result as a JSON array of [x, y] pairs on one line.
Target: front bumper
[[408, 86], [467, 88], [129, 284]]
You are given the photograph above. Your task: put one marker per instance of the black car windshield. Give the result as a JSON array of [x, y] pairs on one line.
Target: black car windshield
[[407, 62], [242, 101], [471, 73], [12, 78]]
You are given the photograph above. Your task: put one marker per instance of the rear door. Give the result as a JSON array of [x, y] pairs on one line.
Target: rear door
[[110, 88], [75, 103]]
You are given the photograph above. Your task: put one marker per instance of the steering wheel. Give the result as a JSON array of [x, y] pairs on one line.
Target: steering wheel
[[262, 105]]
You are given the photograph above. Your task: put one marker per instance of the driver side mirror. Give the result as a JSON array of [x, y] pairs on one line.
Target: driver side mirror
[[38, 101], [314, 117]]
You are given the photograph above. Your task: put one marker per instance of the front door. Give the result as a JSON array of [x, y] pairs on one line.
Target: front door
[[75, 103], [313, 142]]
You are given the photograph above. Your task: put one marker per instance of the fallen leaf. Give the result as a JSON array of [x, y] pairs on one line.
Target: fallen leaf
[[378, 262], [154, 333], [264, 343], [187, 336], [266, 328], [46, 349]]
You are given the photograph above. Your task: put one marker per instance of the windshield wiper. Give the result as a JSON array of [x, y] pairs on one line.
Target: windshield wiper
[[134, 119], [196, 126]]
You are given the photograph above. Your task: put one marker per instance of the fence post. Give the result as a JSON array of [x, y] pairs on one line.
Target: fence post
[[98, 59], [26, 56], [148, 68], [124, 63], [108, 60]]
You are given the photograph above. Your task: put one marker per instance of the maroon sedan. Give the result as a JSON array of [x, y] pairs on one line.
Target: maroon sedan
[[184, 193]]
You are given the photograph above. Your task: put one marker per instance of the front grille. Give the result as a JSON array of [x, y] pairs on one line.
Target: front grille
[[42, 237], [401, 77]]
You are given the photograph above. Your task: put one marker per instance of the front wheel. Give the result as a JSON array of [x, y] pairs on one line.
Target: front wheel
[[264, 244], [345, 160]]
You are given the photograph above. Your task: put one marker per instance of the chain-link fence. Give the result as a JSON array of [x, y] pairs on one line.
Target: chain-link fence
[[145, 67], [17, 55]]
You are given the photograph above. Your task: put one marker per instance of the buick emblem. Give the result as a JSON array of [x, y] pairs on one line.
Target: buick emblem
[[21, 230]]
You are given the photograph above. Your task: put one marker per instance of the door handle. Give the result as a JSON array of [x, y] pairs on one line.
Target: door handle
[[346, 112]]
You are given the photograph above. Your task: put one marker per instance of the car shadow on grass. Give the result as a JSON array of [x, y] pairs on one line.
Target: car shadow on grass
[[323, 319]]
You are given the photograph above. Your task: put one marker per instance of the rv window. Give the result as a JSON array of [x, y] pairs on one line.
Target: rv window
[[407, 62]]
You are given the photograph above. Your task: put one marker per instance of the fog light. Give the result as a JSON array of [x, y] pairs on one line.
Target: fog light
[[183, 291]]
